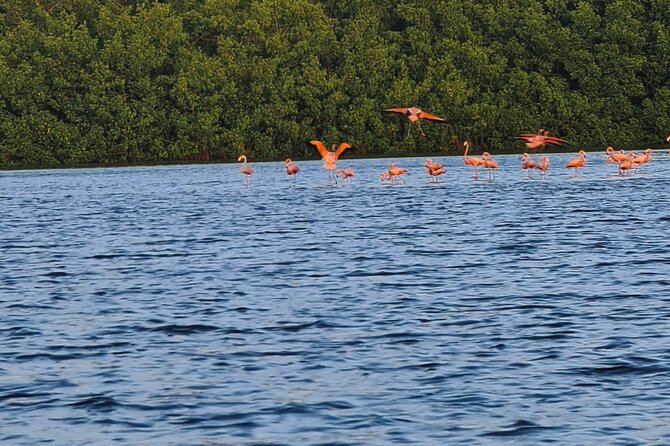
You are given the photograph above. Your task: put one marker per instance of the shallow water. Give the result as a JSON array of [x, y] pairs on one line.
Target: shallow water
[[171, 306]]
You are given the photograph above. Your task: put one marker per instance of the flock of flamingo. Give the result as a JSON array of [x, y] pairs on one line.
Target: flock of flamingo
[[627, 162]]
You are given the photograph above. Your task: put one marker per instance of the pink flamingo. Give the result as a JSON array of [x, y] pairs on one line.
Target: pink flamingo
[[490, 164], [415, 114], [434, 170], [578, 162], [346, 174], [543, 166], [246, 170], [291, 170], [330, 158], [539, 139], [472, 160], [528, 164]]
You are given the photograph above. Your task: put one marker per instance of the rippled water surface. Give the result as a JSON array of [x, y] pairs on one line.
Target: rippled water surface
[[172, 306]]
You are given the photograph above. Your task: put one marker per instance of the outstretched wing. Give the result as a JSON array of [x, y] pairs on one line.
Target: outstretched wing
[[424, 115], [397, 110], [342, 147], [555, 141], [320, 147], [527, 136]]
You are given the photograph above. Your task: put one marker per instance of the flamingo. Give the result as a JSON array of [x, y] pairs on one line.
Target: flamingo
[[330, 158], [613, 157], [539, 139], [434, 169], [642, 158], [291, 170], [472, 160], [246, 170], [491, 164], [346, 174], [415, 114], [625, 165], [394, 173], [528, 164], [542, 166], [578, 162]]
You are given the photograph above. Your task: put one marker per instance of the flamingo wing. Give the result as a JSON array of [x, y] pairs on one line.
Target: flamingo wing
[[320, 147], [397, 110], [555, 141], [342, 147], [424, 115]]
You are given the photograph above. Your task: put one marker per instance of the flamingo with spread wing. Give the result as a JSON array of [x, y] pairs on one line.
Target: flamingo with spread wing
[[330, 157], [415, 114]]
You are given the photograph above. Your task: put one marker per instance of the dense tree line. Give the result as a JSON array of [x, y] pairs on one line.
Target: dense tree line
[[127, 81]]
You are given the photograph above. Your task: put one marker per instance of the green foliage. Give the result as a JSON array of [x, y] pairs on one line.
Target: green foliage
[[137, 81]]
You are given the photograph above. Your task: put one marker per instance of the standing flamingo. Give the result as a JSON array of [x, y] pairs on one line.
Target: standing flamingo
[[543, 166], [539, 139], [330, 158], [434, 170], [626, 165], [291, 170], [615, 157], [641, 159], [394, 173], [528, 164], [490, 164], [346, 174], [472, 160], [246, 170], [415, 114], [578, 162]]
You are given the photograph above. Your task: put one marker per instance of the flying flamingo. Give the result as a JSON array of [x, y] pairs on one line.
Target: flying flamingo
[[528, 164], [542, 166], [346, 174], [330, 158], [490, 164], [472, 160], [434, 169], [415, 114], [539, 139], [578, 162], [246, 170], [292, 170]]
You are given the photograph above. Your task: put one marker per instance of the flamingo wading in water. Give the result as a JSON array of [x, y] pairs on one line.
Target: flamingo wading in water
[[330, 158], [528, 164], [415, 114], [472, 160], [434, 170], [578, 162], [490, 164], [246, 170], [393, 174], [543, 166], [291, 170], [346, 174]]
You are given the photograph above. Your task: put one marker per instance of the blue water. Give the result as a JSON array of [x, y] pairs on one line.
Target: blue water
[[172, 306]]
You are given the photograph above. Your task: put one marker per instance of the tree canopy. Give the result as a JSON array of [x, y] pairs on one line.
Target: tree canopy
[[135, 81]]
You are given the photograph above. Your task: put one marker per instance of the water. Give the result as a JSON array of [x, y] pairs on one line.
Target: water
[[171, 306]]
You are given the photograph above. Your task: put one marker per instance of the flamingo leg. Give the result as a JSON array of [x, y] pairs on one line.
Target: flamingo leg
[[409, 128], [418, 123]]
